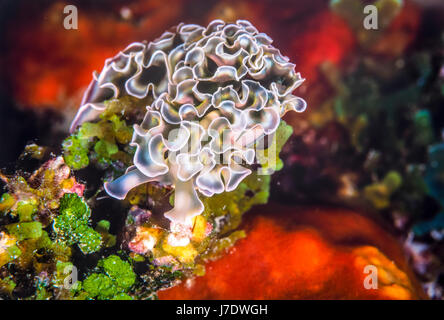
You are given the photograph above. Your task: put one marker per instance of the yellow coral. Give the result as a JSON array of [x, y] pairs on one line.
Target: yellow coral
[[185, 254], [392, 281], [199, 228]]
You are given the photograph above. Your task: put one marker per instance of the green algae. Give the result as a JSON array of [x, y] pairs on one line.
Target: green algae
[[269, 158], [379, 193], [72, 224], [118, 270], [25, 230], [75, 152], [26, 210], [99, 286], [114, 282], [253, 190], [103, 142]]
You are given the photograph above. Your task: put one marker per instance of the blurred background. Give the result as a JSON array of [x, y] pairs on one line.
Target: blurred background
[[371, 138]]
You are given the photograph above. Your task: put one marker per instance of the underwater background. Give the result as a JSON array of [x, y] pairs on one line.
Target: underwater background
[[361, 180]]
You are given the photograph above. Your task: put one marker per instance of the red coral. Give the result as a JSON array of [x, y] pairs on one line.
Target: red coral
[[305, 253], [326, 37], [51, 66]]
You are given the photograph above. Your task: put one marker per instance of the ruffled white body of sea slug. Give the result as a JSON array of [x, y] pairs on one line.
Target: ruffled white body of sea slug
[[217, 92]]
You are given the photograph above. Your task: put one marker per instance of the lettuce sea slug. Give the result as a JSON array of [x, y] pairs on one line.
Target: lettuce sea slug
[[218, 94]]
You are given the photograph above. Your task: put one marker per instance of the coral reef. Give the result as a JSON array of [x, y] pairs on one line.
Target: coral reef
[[247, 93], [28, 211], [371, 141], [47, 213]]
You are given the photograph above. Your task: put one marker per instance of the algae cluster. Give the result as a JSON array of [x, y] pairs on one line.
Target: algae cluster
[[50, 223]]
